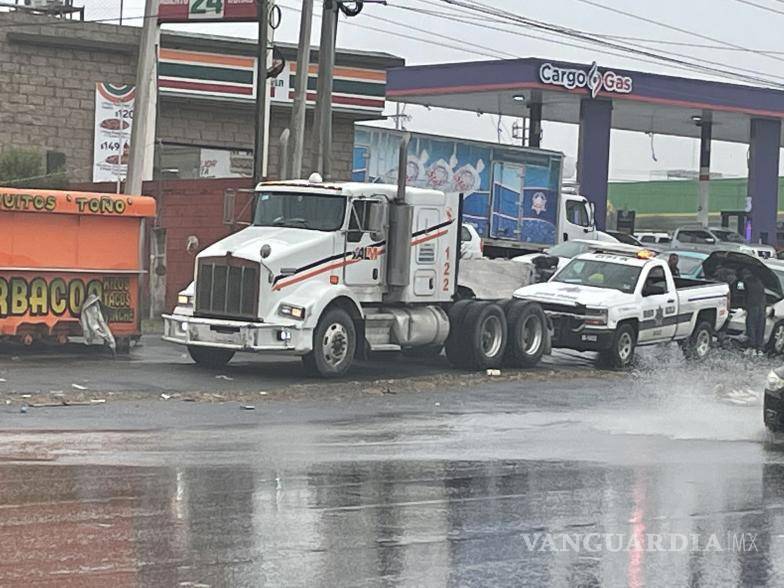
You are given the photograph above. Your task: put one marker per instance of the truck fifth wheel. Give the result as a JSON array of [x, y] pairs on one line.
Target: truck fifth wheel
[[328, 271]]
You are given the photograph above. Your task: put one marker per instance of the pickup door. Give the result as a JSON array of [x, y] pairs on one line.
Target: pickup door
[[659, 305]]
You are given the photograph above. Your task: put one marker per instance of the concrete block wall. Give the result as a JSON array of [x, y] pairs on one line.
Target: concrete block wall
[[48, 72], [47, 83]]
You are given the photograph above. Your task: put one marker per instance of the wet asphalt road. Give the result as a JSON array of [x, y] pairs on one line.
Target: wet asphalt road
[[445, 486], [157, 367]]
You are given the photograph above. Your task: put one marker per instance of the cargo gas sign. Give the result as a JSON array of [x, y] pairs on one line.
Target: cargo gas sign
[[593, 79]]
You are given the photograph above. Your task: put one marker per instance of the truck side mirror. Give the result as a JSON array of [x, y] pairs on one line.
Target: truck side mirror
[[592, 208], [378, 220]]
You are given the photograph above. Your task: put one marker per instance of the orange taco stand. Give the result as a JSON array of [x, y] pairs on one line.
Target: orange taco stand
[[56, 249]]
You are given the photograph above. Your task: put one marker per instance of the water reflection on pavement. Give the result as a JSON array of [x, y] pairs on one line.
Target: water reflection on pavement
[[422, 490]]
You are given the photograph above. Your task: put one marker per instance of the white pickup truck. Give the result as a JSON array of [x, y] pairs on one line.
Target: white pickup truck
[[611, 303]]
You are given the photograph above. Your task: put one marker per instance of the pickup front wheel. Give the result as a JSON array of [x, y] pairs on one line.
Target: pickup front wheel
[[698, 346], [620, 355]]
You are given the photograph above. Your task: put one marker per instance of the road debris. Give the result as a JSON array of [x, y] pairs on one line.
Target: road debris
[[78, 387], [165, 396], [493, 373], [23, 409], [222, 377], [248, 407]]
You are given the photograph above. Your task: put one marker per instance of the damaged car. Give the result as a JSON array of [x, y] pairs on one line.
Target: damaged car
[[727, 266]]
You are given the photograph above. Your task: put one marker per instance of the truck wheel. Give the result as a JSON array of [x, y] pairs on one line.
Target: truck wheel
[[484, 333], [621, 353], [210, 357], [334, 345], [455, 344], [776, 343], [527, 334], [698, 345]]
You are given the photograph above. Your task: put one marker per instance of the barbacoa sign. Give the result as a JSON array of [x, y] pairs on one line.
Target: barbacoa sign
[[593, 80], [43, 296]]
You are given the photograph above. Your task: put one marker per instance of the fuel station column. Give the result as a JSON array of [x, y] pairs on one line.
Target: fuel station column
[[593, 156], [764, 178]]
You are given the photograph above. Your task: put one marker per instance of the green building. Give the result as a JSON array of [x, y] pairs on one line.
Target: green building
[[667, 204]]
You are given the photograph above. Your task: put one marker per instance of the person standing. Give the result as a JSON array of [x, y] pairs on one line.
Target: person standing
[[672, 262], [755, 310]]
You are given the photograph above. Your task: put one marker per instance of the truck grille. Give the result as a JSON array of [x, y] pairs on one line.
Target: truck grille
[[227, 287]]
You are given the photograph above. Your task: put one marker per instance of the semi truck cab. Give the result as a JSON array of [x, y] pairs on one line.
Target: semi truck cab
[[386, 262]]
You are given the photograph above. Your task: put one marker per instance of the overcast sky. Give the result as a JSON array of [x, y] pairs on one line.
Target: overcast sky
[[734, 22]]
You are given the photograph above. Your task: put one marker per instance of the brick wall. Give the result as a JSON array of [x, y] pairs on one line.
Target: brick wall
[[48, 72], [193, 207]]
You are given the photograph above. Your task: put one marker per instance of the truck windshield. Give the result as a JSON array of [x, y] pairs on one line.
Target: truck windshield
[[318, 212], [600, 274]]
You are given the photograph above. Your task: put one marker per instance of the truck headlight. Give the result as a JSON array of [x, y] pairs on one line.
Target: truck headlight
[[185, 300], [596, 317], [774, 381], [291, 310]]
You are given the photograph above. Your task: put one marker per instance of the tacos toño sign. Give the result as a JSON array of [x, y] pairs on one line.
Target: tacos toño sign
[[593, 80]]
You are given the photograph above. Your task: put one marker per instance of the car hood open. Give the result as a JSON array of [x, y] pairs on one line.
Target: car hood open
[[736, 261]]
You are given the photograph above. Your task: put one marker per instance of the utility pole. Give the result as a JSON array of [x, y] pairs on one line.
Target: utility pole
[[322, 123], [262, 94], [300, 93], [142, 149]]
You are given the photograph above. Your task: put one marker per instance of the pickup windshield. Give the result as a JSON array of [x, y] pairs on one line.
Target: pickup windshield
[[728, 236], [600, 274], [301, 211], [568, 249]]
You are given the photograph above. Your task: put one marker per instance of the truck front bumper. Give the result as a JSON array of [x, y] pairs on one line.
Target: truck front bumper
[[236, 335], [571, 333]]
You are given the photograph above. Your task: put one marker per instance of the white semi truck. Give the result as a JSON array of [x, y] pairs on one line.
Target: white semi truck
[[328, 271]]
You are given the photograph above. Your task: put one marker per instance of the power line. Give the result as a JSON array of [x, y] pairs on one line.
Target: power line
[[483, 18], [685, 44], [485, 52], [761, 6], [674, 28], [472, 22], [70, 22], [581, 35]]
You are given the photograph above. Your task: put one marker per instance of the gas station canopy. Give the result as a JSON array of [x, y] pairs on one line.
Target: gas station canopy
[[600, 99], [644, 102]]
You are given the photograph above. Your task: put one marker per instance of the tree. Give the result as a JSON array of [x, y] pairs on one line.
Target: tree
[[24, 168]]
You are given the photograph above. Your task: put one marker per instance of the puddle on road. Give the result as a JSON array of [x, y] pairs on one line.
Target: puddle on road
[[431, 523], [716, 400]]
